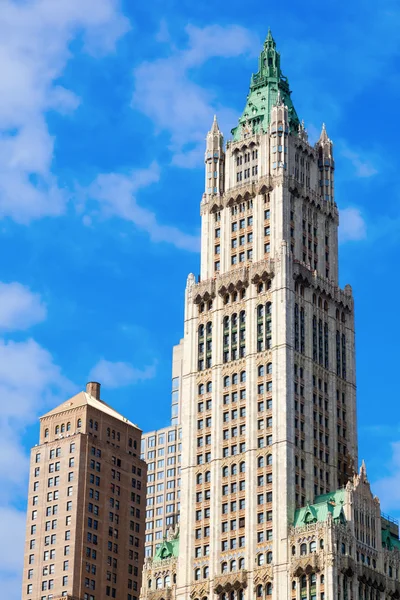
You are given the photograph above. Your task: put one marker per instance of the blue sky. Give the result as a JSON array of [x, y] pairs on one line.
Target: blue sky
[[104, 107]]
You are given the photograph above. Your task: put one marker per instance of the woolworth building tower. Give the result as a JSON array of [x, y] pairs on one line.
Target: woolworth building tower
[[272, 506]]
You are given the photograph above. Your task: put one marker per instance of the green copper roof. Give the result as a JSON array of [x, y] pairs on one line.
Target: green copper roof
[[389, 541], [331, 503], [168, 549], [263, 95]]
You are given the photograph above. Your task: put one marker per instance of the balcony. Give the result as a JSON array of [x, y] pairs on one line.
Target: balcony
[[230, 581]]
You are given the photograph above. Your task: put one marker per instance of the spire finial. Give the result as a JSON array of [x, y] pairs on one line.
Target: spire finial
[[215, 127], [324, 136], [269, 37]]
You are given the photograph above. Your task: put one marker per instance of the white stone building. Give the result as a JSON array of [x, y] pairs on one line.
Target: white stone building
[[272, 506]]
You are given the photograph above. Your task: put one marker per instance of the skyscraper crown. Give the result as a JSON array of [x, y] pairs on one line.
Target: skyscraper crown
[[265, 85]]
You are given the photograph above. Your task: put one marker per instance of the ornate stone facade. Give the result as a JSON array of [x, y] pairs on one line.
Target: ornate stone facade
[[271, 507]]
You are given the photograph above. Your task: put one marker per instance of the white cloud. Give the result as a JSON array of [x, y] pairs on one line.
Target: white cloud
[[166, 94], [119, 374], [362, 166], [34, 49], [352, 226], [19, 307], [388, 488], [115, 196]]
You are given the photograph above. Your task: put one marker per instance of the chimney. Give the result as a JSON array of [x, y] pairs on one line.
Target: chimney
[[93, 389]]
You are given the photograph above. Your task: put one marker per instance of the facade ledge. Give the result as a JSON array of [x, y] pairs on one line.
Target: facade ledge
[[230, 581]]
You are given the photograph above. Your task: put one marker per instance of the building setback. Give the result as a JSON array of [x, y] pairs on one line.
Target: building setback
[[273, 506], [86, 504]]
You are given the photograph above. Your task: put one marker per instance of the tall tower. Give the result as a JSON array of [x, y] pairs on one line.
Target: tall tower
[[268, 377], [86, 504]]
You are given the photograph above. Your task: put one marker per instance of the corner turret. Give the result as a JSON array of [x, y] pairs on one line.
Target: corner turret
[[326, 166], [214, 160]]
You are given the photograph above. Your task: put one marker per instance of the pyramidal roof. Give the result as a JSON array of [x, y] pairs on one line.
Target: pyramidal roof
[[85, 399], [267, 86]]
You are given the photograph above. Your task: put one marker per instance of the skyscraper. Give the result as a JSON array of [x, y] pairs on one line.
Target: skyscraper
[[86, 504], [272, 506]]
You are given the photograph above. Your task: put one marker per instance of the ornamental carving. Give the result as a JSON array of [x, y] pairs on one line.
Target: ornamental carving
[[262, 575], [203, 291], [165, 594], [311, 563], [322, 285], [230, 581], [199, 590], [233, 281], [347, 566], [262, 271]]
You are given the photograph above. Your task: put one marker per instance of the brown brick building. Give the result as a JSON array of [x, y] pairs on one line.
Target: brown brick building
[[86, 504]]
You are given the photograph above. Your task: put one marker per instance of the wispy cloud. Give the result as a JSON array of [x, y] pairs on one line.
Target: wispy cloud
[[166, 92], [120, 374], [115, 196], [352, 226], [34, 50], [362, 164], [19, 307]]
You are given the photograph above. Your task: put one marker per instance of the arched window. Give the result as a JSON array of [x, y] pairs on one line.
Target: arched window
[[68, 426], [303, 549], [233, 565], [240, 595], [313, 546], [260, 311], [269, 557], [269, 459], [225, 472], [234, 379], [130, 442], [241, 563], [201, 331], [207, 476], [57, 429], [234, 320], [234, 469], [174, 578], [268, 308], [224, 567], [118, 436], [268, 589], [113, 434], [167, 581], [260, 559], [226, 299], [63, 428], [226, 381], [260, 287], [46, 433], [209, 386], [197, 573], [243, 376], [96, 425], [321, 543], [135, 444], [205, 572], [260, 461], [242, 467], [269, 368], [242, 316], [293, 550], [79, 423], [303, 581], [149, 584], [91, 423], [243, 293], [261, 371], [209, 328], [259, 591], [108, 432], [201, 389], [159, 583], [343, 548], [199, 478]]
